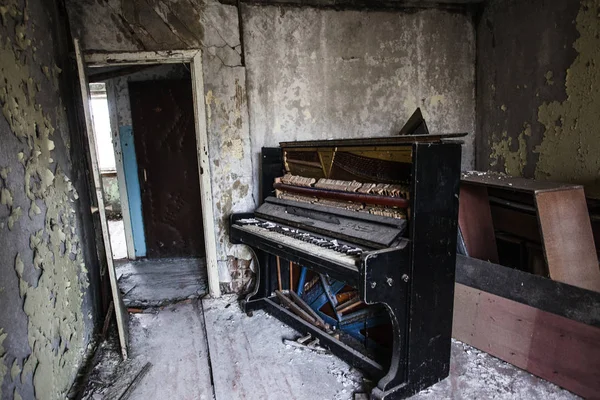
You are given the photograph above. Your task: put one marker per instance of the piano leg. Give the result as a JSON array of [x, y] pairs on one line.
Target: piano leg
[[262, 286], [385, 281]]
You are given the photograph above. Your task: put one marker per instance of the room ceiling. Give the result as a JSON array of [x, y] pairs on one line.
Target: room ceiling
[[365, 4]]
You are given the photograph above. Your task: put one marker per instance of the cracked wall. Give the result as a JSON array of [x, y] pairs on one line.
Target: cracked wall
[[322, 73], [49, 309], [548, 82]]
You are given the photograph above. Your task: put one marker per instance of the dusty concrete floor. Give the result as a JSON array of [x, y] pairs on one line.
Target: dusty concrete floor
[[154, 283], [250, 361], [191, 343], [174, 341]]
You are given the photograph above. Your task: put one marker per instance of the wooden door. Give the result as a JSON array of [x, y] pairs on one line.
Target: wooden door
[[121, 314], [165, 142]]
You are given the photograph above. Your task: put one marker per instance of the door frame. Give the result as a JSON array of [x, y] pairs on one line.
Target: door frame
[[194, 58]]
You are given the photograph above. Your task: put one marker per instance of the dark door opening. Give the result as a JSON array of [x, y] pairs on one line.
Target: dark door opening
[[165, 142]]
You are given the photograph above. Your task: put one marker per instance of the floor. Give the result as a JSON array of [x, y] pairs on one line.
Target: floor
[[154, 283], [209, 349]]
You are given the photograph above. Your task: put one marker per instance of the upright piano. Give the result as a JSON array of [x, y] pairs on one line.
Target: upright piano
[[355, 243]]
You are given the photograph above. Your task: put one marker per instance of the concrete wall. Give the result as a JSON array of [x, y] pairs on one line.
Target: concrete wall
[[312, 73], [315, 73], [47, 247], [538, 68]]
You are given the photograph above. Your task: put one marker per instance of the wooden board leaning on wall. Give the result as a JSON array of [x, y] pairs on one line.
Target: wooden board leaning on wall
[[548, 328]]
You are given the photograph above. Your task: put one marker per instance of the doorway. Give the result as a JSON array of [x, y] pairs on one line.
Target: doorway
[[165, 144], [120, 64], [151, 113], [90, 63]]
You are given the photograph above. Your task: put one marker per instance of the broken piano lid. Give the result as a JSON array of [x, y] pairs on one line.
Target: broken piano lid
[[415, 125], [375, 141]]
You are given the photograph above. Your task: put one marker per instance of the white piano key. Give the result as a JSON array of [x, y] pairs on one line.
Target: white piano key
[[306, 247]]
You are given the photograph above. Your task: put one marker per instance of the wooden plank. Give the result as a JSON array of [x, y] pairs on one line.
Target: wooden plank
[[515, 222], [302, 304], [552, 347], [537, 291], [501, 181], [475, 221], [140, 57], [208, 220], [136, 381], [568, 238], [285, 301], [120, 311], [133, 187]]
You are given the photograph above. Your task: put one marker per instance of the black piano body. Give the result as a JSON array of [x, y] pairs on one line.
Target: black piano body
[[405, 266]]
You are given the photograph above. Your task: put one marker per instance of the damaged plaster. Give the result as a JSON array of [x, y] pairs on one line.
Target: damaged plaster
[[553, 88], [3, 368], [231, 164], [48, 265], [570, 146], [502, 150], [321, 73]]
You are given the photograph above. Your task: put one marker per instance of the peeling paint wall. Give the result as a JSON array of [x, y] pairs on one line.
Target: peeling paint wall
[[49, 310], [537, 99], [315, 73]]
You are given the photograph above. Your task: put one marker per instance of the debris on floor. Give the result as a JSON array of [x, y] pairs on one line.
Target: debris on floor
[[110, 377], [248, 363], [306, 342], [250, 360], [209, 349], [174, 341], [168, 358], [475, 374]]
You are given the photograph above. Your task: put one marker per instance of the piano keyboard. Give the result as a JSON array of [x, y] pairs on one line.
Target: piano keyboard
[[329, 249]]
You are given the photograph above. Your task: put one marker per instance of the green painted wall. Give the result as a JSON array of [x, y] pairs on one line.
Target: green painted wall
[[48, 308], [538, 108]]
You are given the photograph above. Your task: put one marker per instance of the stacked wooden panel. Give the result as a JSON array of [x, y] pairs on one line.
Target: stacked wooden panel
[[550, 330]]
